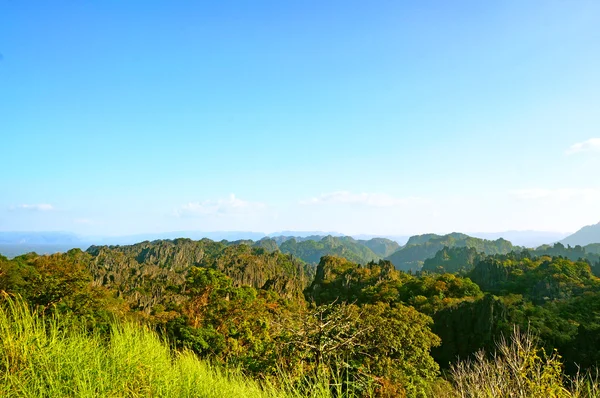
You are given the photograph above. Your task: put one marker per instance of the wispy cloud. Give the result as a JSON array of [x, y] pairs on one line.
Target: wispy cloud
[[364, 199], [591, 145], [561, 194], [229, 206], [34, 207]]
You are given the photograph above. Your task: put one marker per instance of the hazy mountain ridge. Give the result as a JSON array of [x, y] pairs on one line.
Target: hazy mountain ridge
[[43, 238], [522, 238], [587, 235], [418, 248], [309, 249], [232, 297]]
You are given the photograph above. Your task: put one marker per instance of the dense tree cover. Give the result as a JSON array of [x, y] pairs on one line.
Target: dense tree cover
[[593, 248], [422, 247], [453, 259], [59, 282], [236, 304], [311, 251], [553, 296], [367, 323], [339, 279], [588, 253], [151, 273], [539, 279]]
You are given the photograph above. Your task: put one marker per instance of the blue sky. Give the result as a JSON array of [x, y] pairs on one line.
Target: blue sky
[[375, 117]]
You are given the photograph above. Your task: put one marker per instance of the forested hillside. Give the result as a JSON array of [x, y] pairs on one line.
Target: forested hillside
[[311, 251], [593, 248], [266, 312], [422, 247], [381, 246], [453, 259]]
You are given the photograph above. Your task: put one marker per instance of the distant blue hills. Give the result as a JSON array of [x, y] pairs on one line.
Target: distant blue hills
[[585, 236]]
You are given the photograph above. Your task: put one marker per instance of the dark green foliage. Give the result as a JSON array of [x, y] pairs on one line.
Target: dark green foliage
[[593, 248], [554, 296], [240, 305], [572, 253], [420, 248], [467, 327], [559, 250], [311, 251], [229, 323], [453, 259], [398, 347], [338, 279], [258, 308], [431, 293], [538, 279]]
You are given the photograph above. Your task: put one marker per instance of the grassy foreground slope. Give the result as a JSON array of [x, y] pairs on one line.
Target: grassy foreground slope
[[55, 358]]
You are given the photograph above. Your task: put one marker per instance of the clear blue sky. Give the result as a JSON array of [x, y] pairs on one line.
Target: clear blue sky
[[384, 117]]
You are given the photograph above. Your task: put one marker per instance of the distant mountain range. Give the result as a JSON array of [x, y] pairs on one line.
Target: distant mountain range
[[43, 238], [585, 236], [403, 251], [522, 238], [16, 243]]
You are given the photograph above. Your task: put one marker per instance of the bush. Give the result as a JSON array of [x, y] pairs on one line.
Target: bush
[[518, 369]]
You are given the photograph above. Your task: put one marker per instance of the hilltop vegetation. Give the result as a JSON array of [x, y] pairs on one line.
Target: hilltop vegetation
[[363, 326], [453, 260], [311, 251], [234, 304], [593, 248], [422, 247], [60, 359]]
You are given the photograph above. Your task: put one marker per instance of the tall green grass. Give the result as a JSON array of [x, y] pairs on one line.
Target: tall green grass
[[56, 358], [520, 369]]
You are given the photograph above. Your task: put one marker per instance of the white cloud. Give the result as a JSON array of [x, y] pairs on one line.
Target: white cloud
[[83, 221], [35, 207], [560, 194], [591, 145], [229, 206], [364, 199]]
